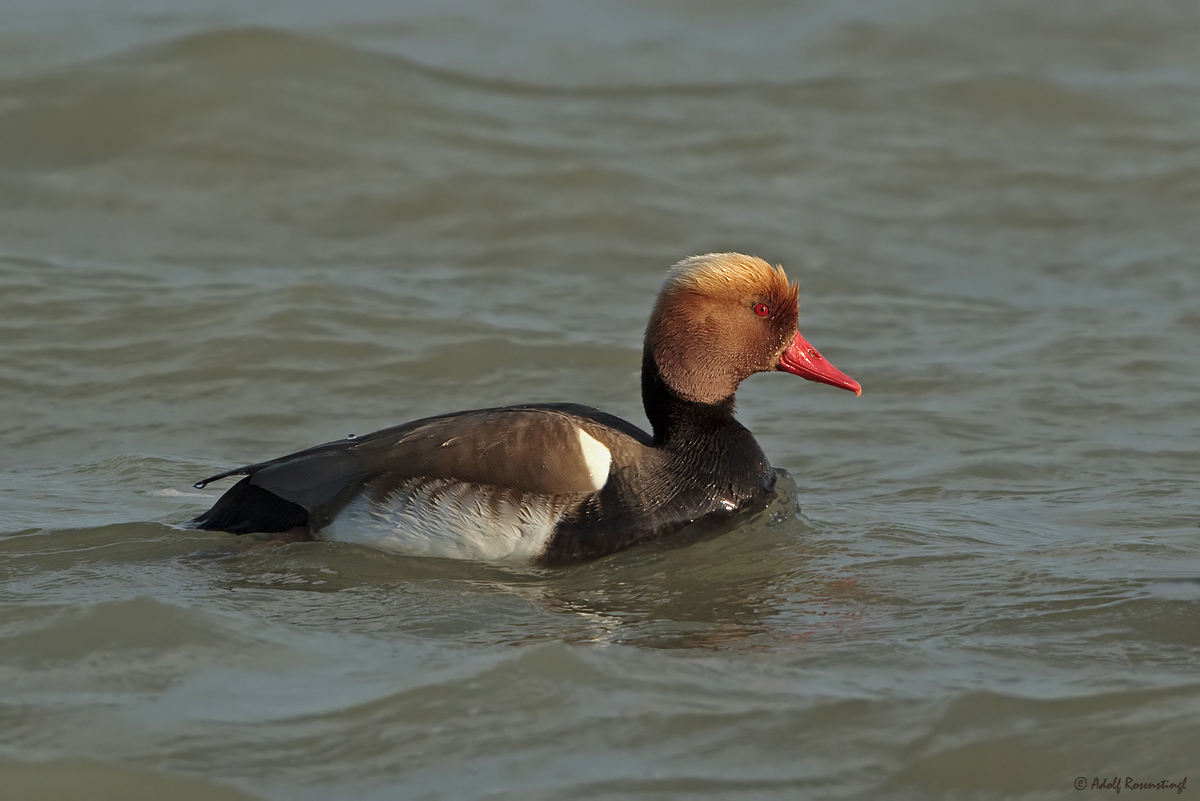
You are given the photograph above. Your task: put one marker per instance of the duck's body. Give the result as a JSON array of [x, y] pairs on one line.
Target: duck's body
[[558, 482]]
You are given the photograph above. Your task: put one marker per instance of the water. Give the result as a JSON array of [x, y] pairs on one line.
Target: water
[[226, 234]]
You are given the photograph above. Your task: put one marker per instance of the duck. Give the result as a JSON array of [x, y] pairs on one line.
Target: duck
[[553, 483]]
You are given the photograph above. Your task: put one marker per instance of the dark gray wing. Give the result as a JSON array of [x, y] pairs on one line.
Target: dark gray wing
[[534, 449]]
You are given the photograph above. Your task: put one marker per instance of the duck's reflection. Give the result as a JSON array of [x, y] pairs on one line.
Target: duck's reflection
[[749, 587], [761, 581]]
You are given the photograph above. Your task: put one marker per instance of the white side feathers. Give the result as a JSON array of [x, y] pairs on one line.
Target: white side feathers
[[597, 458], [449, 518]]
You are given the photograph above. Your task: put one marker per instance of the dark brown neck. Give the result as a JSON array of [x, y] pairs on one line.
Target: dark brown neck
[[676, 419]]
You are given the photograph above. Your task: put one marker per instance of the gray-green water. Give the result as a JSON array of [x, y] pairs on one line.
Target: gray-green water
[[226, 234]]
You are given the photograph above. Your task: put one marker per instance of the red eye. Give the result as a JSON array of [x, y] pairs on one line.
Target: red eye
[[761, 309]]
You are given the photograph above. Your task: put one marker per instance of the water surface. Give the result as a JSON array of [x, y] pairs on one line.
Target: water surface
[[227, 234]]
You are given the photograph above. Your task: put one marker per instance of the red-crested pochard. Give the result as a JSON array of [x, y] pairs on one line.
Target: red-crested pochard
[[559, 482]]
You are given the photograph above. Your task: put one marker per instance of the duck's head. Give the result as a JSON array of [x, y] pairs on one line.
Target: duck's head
[[722, 317]]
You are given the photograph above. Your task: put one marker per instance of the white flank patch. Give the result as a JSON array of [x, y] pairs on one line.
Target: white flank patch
[[174, 493], [452, 519], [597, 458]]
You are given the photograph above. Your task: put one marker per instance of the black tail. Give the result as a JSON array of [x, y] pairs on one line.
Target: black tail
[[247, 508]]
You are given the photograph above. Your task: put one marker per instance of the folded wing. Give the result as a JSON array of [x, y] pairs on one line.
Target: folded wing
[[534, 449]]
